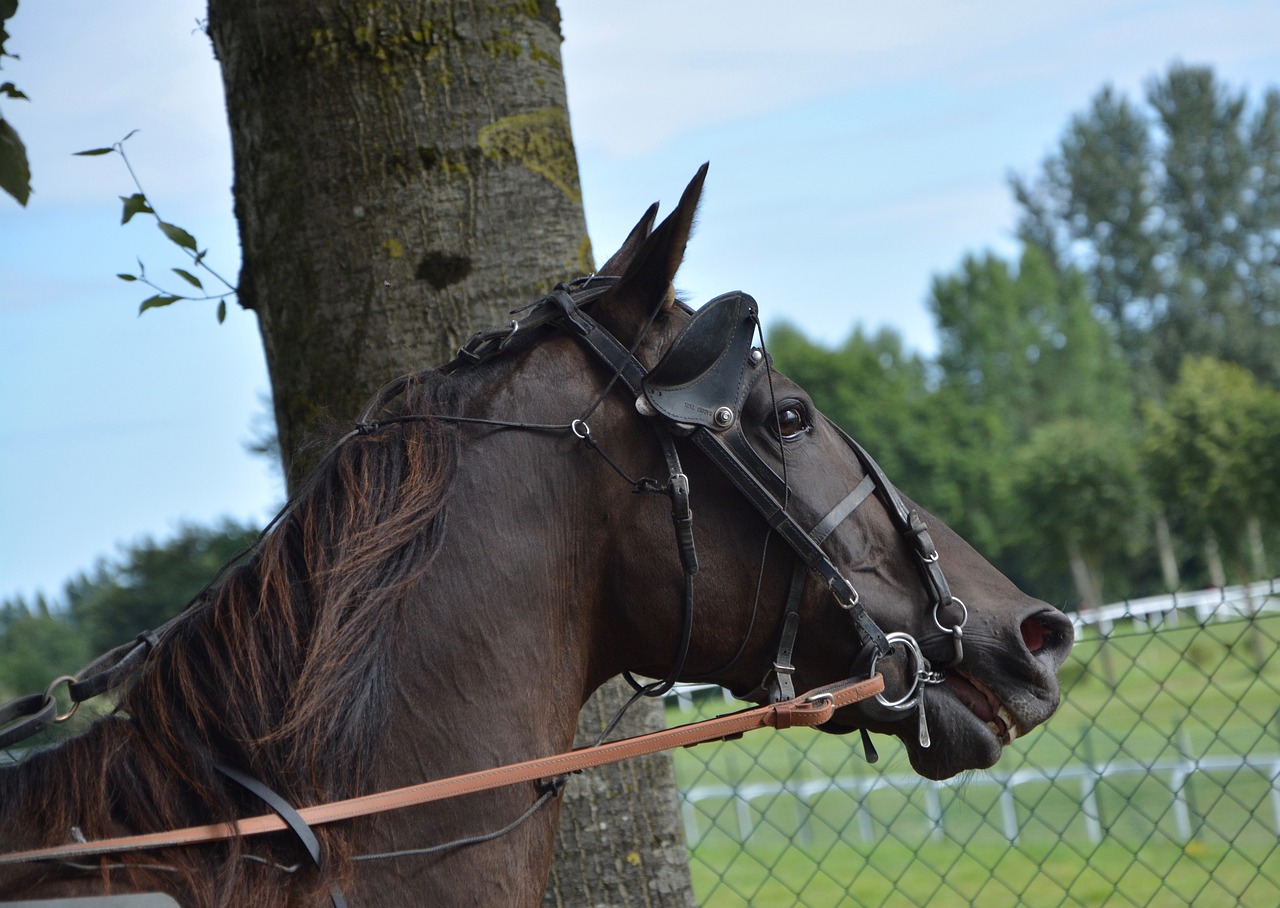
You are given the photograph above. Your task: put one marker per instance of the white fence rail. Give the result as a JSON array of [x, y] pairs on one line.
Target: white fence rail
[[1213, 604], [1177, 773]]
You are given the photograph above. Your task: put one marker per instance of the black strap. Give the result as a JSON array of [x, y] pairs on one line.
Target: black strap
[[25, 717], [716, 448], [777, 684], [297, 825]]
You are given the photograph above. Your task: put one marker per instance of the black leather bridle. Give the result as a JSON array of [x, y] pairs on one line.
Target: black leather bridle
[[697, 391]]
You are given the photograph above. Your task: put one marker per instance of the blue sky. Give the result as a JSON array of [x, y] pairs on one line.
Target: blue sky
[[857, 149]]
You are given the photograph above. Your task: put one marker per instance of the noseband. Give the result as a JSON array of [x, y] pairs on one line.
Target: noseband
[[697, 391]]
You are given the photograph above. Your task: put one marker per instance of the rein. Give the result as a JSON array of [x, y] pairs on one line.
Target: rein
[[809, 710]]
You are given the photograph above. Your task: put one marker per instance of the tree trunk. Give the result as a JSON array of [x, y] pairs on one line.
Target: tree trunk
[[1091, 601], [597, 860], [1257, 551], [1164, 545], [1082, 576], [1213, 560], [404, 175]]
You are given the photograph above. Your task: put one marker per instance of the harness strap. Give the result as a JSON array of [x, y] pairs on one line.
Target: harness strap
[[777, 684], [776, 515], [811, 709], [297, 825]]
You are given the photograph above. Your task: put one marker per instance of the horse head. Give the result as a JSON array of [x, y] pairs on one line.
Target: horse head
[[801, 539]]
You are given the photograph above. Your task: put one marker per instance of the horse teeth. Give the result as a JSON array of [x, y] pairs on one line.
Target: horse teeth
[[1009, 733]]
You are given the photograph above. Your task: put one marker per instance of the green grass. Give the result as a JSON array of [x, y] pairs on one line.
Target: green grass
[[1139, 699]]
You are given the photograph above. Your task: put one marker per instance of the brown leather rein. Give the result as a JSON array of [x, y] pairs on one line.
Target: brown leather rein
[[808, 710]]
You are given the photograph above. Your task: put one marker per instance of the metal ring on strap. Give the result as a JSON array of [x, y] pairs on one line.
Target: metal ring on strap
[[964, 618], [906, 701], [48, 695]]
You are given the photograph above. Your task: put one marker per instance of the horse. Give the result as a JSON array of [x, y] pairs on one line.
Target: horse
[[469, 563]]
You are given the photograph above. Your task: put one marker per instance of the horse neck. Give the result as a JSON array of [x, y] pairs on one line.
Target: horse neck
[[496, 651]]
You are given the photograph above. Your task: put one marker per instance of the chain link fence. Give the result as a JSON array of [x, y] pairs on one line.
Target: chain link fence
[[1157, 783]]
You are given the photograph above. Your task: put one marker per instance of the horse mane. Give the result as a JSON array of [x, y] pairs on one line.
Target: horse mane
[[282, 670]]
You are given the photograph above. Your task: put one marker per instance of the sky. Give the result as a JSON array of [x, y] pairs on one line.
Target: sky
[[857, 150]]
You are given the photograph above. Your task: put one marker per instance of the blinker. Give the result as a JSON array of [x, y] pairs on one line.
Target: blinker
[[705, 376]]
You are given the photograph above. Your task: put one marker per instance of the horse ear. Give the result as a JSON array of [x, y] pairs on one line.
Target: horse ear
[[626, 252], [646, 278]]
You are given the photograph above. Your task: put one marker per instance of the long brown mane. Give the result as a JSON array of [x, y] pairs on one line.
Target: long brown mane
[[282, 670]]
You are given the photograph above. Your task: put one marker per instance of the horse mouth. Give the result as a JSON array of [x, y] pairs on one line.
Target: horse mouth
[[985, 706]]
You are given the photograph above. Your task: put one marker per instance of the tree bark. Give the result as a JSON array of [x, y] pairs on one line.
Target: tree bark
[[405, 175], [1257, 550], [1213, 561], [617, 847]]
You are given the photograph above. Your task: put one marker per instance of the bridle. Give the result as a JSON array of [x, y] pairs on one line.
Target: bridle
[[698, 391], [687, 395]]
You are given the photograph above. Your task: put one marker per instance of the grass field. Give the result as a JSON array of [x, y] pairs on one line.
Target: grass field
[[1158, 783]]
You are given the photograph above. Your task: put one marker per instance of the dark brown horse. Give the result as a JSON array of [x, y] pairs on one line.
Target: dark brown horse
[[445, 594]]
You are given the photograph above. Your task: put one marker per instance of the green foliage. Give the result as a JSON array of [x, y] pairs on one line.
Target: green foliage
[[138, 203], [1078, 484], [1025, 345], [1172, 210], [931, 441], [36, 646], [15, 171], [147, 585], [1212, 449]]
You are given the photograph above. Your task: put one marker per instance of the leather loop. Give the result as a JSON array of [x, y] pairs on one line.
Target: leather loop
[[25, 717], [297, 825]]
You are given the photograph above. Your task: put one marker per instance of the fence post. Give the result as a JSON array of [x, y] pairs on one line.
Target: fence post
[[1008, 812], [1179, 782], [933, 809], [1275, 797]]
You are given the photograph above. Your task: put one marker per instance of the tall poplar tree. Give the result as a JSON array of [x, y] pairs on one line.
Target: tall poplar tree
[[1170, 209], [404, 175]]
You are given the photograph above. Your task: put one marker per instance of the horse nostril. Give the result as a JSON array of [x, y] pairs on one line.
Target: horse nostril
[[1034, 633], [1048, 633]]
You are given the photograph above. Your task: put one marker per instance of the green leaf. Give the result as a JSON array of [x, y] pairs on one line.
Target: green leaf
[[93, 151], [12, 91], [189, 278], [155, 302], [127, 277], [222, 311], [135, 204], [178, 235], [15, 172]]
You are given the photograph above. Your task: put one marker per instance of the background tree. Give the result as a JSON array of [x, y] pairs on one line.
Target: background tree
[[885, 396], [1212, 449], [405, 175], [1078, 485], [1170, 211], [141, 588], [36, 645]]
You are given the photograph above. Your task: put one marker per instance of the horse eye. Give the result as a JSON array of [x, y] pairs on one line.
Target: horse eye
[[793, 421]]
